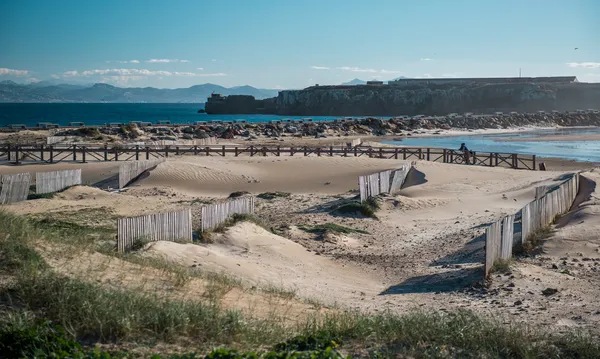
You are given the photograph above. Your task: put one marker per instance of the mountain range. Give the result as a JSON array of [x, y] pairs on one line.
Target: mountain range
[[45, 91]]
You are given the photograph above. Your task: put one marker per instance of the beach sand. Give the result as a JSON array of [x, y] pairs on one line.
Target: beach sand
[[425, 250]]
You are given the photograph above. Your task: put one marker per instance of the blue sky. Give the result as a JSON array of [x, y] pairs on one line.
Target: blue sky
[[294, 44]]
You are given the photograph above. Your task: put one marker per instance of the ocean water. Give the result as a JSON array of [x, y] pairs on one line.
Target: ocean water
[[30, 114], [573, 150]]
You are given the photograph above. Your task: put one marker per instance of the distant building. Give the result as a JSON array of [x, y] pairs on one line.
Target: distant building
[[375, 83], [485, 80]]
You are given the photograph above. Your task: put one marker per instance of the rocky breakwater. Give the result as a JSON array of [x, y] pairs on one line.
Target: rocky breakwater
[[349, 127], [389, 100]]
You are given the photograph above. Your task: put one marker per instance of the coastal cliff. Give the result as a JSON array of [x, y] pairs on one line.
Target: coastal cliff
[[436, 99]]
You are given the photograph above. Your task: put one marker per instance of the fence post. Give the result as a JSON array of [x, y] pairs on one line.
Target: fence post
[[515, 161], [380, 152], [8, 149], [51, 154], [319, 151], [42, 152], [420, 153], [428, 154], [17, 154], [137, 152], [278, 151], [396, 153], [444, 159], [105, 152], [223, 149], [74, 153], [83, 154], [147, 152], [534, 163]]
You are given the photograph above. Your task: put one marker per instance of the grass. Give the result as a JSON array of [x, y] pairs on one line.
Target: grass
[[273, 195], [502, 265], [330, 227], [536, 238], [207, 236], [367, 208], [36, 298]]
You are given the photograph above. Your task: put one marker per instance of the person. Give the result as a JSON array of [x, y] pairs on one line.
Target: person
[[465, 152]]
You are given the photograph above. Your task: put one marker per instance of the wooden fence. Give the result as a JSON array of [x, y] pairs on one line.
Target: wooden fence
[[215, 214], [389, 181], [195, 142], [15, 187], [501, 241], [354, 143], [171, 226], [48, 182], [129, 171], [82, 153]]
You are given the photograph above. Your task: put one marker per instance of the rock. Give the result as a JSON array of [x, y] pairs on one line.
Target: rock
[[518, 302], [549, 291]]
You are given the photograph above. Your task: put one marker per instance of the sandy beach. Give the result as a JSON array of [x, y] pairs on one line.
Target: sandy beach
[[424, 250]]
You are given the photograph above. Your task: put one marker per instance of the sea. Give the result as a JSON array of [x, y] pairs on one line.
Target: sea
[[30, 114], [533, 144]]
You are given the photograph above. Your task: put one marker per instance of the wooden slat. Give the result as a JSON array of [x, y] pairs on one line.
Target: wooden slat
[[15, 188], [170, 226], [48, 182]]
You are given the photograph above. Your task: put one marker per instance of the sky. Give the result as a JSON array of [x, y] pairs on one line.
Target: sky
[[285, 44]]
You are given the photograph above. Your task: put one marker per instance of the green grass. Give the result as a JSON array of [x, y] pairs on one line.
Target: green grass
[[367, 208], [330, 227], [91, 312], [502, 265], [536, 238], [273, 195]]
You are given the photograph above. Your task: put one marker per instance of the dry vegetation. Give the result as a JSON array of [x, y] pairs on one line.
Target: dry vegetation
[[127, 315]]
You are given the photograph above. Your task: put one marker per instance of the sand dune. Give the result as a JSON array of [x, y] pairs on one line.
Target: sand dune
[[251, 252]]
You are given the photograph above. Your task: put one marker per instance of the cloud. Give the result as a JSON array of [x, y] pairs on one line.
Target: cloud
[[319, 68], [355, 69], [55, 76], [427, 76], [123, 62], [450, 75], [425, 59], [214, 60], [32, 80], [156, 61], [390, 72], [136, 72], [13, 72], [200, 68], [584, 65]]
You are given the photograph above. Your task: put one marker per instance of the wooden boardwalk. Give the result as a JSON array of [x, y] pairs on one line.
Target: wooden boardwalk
[[18, 154]]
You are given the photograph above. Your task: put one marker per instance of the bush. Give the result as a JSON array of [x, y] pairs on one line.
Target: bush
[[331, 227], [502, 265], [273, 195], [353, 207], [238, 194], [536, 238]]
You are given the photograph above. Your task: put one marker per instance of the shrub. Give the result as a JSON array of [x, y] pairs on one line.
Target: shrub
[[353, 207], [273, 195], [502, 265], [238, 194], [331, 227], [536, 238]]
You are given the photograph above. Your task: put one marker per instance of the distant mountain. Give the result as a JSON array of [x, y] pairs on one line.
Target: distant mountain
[[355, 82], [46, 91]]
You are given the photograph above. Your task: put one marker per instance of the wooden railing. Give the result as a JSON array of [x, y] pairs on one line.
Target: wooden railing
[[18, 154]]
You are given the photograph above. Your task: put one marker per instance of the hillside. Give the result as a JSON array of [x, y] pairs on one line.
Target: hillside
[[50, 92]]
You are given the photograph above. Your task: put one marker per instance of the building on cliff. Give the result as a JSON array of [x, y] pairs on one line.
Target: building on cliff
[[486, 80]]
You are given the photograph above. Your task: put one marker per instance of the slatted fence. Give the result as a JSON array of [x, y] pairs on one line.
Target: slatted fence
[[129, 171], [500, 239], [215, 214], [389, 181], [195, 142], [15, 187], [170, 226], [48, 182]]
